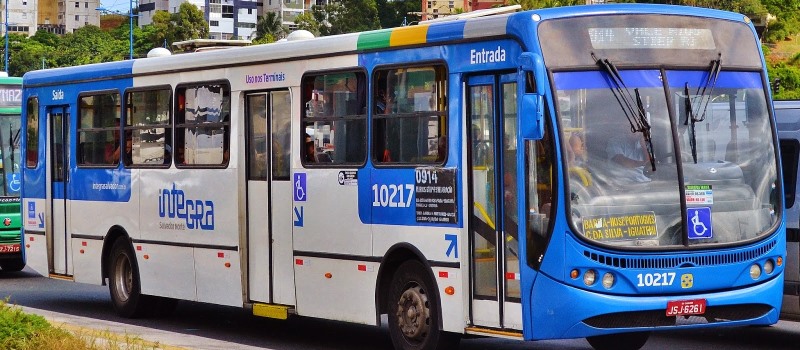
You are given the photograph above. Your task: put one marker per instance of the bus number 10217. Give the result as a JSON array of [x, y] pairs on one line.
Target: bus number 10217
[[392, 196], [655, 279]]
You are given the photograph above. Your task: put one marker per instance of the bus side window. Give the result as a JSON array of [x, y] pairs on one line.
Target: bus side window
[[32, 141], [202, 125], [540, 156], [409, 111], [333, 122], [790, 151]]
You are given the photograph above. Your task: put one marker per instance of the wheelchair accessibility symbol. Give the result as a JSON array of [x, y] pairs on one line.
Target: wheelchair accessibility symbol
[[699, 225]]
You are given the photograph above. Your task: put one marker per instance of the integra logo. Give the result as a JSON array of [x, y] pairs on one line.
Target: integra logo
[[483, 56], [197, 213]]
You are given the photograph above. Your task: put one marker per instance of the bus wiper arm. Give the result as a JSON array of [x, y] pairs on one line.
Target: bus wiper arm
[[690, 117], [633, 108], [700, 115], [644, 127], [13, 143]]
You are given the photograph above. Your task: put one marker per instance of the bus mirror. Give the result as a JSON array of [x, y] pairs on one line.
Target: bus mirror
[[530, 86], [531, 116]]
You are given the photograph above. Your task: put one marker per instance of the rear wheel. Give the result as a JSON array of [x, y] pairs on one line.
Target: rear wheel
[[12, 265], [124, 284], [414, 311], [622, 341]]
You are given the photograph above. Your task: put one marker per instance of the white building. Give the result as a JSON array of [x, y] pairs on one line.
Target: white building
[[227, 19]]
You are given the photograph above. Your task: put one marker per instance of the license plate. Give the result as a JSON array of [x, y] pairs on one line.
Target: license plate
[[9, 248], [686, 307]]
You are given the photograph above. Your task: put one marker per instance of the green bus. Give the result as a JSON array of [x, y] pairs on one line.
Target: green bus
[[11, 256]]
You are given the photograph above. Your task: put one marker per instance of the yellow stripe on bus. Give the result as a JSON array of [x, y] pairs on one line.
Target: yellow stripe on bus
[[411, 35]]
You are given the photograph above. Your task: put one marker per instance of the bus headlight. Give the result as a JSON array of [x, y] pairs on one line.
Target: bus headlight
[[608, 280], [769, 266], [755, 271], [589, 277]]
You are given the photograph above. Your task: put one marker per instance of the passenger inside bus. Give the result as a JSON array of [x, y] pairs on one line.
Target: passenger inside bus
[[112, 151], [310, 150]]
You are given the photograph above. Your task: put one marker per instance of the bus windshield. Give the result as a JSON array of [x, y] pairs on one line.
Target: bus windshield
[[9, 151], [710, 149]]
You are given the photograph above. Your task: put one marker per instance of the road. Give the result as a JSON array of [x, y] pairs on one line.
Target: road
[[203, 326]]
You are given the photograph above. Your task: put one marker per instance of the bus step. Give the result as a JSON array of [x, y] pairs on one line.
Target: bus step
[[280, 312], [493, 332], [62, 277]]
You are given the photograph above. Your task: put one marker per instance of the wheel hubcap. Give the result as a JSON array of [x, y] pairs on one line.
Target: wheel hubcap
[[123, 278], [413, 315]]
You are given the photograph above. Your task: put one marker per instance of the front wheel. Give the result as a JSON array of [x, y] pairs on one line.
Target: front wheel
[[414, 311], [124, 284], [621, 341]]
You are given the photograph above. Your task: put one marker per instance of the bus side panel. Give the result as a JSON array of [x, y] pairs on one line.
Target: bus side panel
[[86, 254], [181, 210], [218, 276], [34, 241], [336, 289], [166, 271]]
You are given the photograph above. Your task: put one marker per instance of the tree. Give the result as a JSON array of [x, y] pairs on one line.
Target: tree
[[159, 31], [270, 25], [394, 13], [188, 23], [338, 17], [90, 44], [306, 21]]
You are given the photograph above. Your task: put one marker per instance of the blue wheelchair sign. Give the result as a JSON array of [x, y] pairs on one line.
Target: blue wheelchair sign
[[699, 224]]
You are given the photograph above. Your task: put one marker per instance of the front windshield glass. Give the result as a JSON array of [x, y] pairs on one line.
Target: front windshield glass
[[9, 155], [619, 197]]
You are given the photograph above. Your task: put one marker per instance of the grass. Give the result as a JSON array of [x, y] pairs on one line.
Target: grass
[[21, 331]]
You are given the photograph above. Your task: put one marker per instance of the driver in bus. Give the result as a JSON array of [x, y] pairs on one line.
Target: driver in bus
[[629, 152]]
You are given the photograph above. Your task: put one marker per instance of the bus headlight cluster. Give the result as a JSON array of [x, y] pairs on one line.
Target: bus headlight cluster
[[769, 266], [755, 271], [589, 277], [608, 280]]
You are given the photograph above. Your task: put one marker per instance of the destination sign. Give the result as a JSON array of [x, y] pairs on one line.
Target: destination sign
[[10, 96], [652, 38]]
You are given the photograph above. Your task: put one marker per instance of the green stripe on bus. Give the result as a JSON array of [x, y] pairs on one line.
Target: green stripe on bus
[[374, 40]]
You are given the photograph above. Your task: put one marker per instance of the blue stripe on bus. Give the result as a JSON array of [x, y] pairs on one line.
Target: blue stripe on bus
[[446, 31], [750, 80], [652, 79], [600, 80], [88, 72]]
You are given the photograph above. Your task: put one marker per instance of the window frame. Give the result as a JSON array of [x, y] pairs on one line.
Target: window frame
[[169, 126], [443, 115], [358, 72], [179, 113], [96, 130]]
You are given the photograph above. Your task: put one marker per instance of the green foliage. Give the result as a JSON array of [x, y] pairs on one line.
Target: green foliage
[[18, 328], [393, 13], [338, 17], [270, 25], [188, 23], [306, 21]]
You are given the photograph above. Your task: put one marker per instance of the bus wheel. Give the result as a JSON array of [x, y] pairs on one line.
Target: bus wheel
[[622, 341], [413, 311], [12, 266], [124, 284]]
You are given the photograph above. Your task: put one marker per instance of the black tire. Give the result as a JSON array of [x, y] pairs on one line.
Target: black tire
[[414, 311], [123, 282], [12, 265], [622, 341]]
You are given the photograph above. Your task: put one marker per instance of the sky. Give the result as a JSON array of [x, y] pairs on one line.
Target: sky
[[116, 5]]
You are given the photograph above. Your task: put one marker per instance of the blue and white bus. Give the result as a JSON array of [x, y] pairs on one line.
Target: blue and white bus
[[598, 171]]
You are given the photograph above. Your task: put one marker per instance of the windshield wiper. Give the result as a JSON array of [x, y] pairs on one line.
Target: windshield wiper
[[702, 107], [13, 143], [632, 105]]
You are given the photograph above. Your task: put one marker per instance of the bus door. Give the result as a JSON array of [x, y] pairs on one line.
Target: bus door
[[492, 133], [269, 226], [57, 204]]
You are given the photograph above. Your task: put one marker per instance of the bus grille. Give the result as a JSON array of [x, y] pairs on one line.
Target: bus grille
[[671, 261], [7, 239], [658, 318]]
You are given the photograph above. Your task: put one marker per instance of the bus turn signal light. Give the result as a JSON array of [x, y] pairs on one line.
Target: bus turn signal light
[[449, 290]]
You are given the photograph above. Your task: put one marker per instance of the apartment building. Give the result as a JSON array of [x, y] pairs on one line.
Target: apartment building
[[227, 19]]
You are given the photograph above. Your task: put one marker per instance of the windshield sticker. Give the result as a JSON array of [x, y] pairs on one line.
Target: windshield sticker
[[620, 227], [699, 224], [699, 194]]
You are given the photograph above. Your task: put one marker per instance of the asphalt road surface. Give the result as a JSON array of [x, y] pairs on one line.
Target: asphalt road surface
[[204, 326]]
